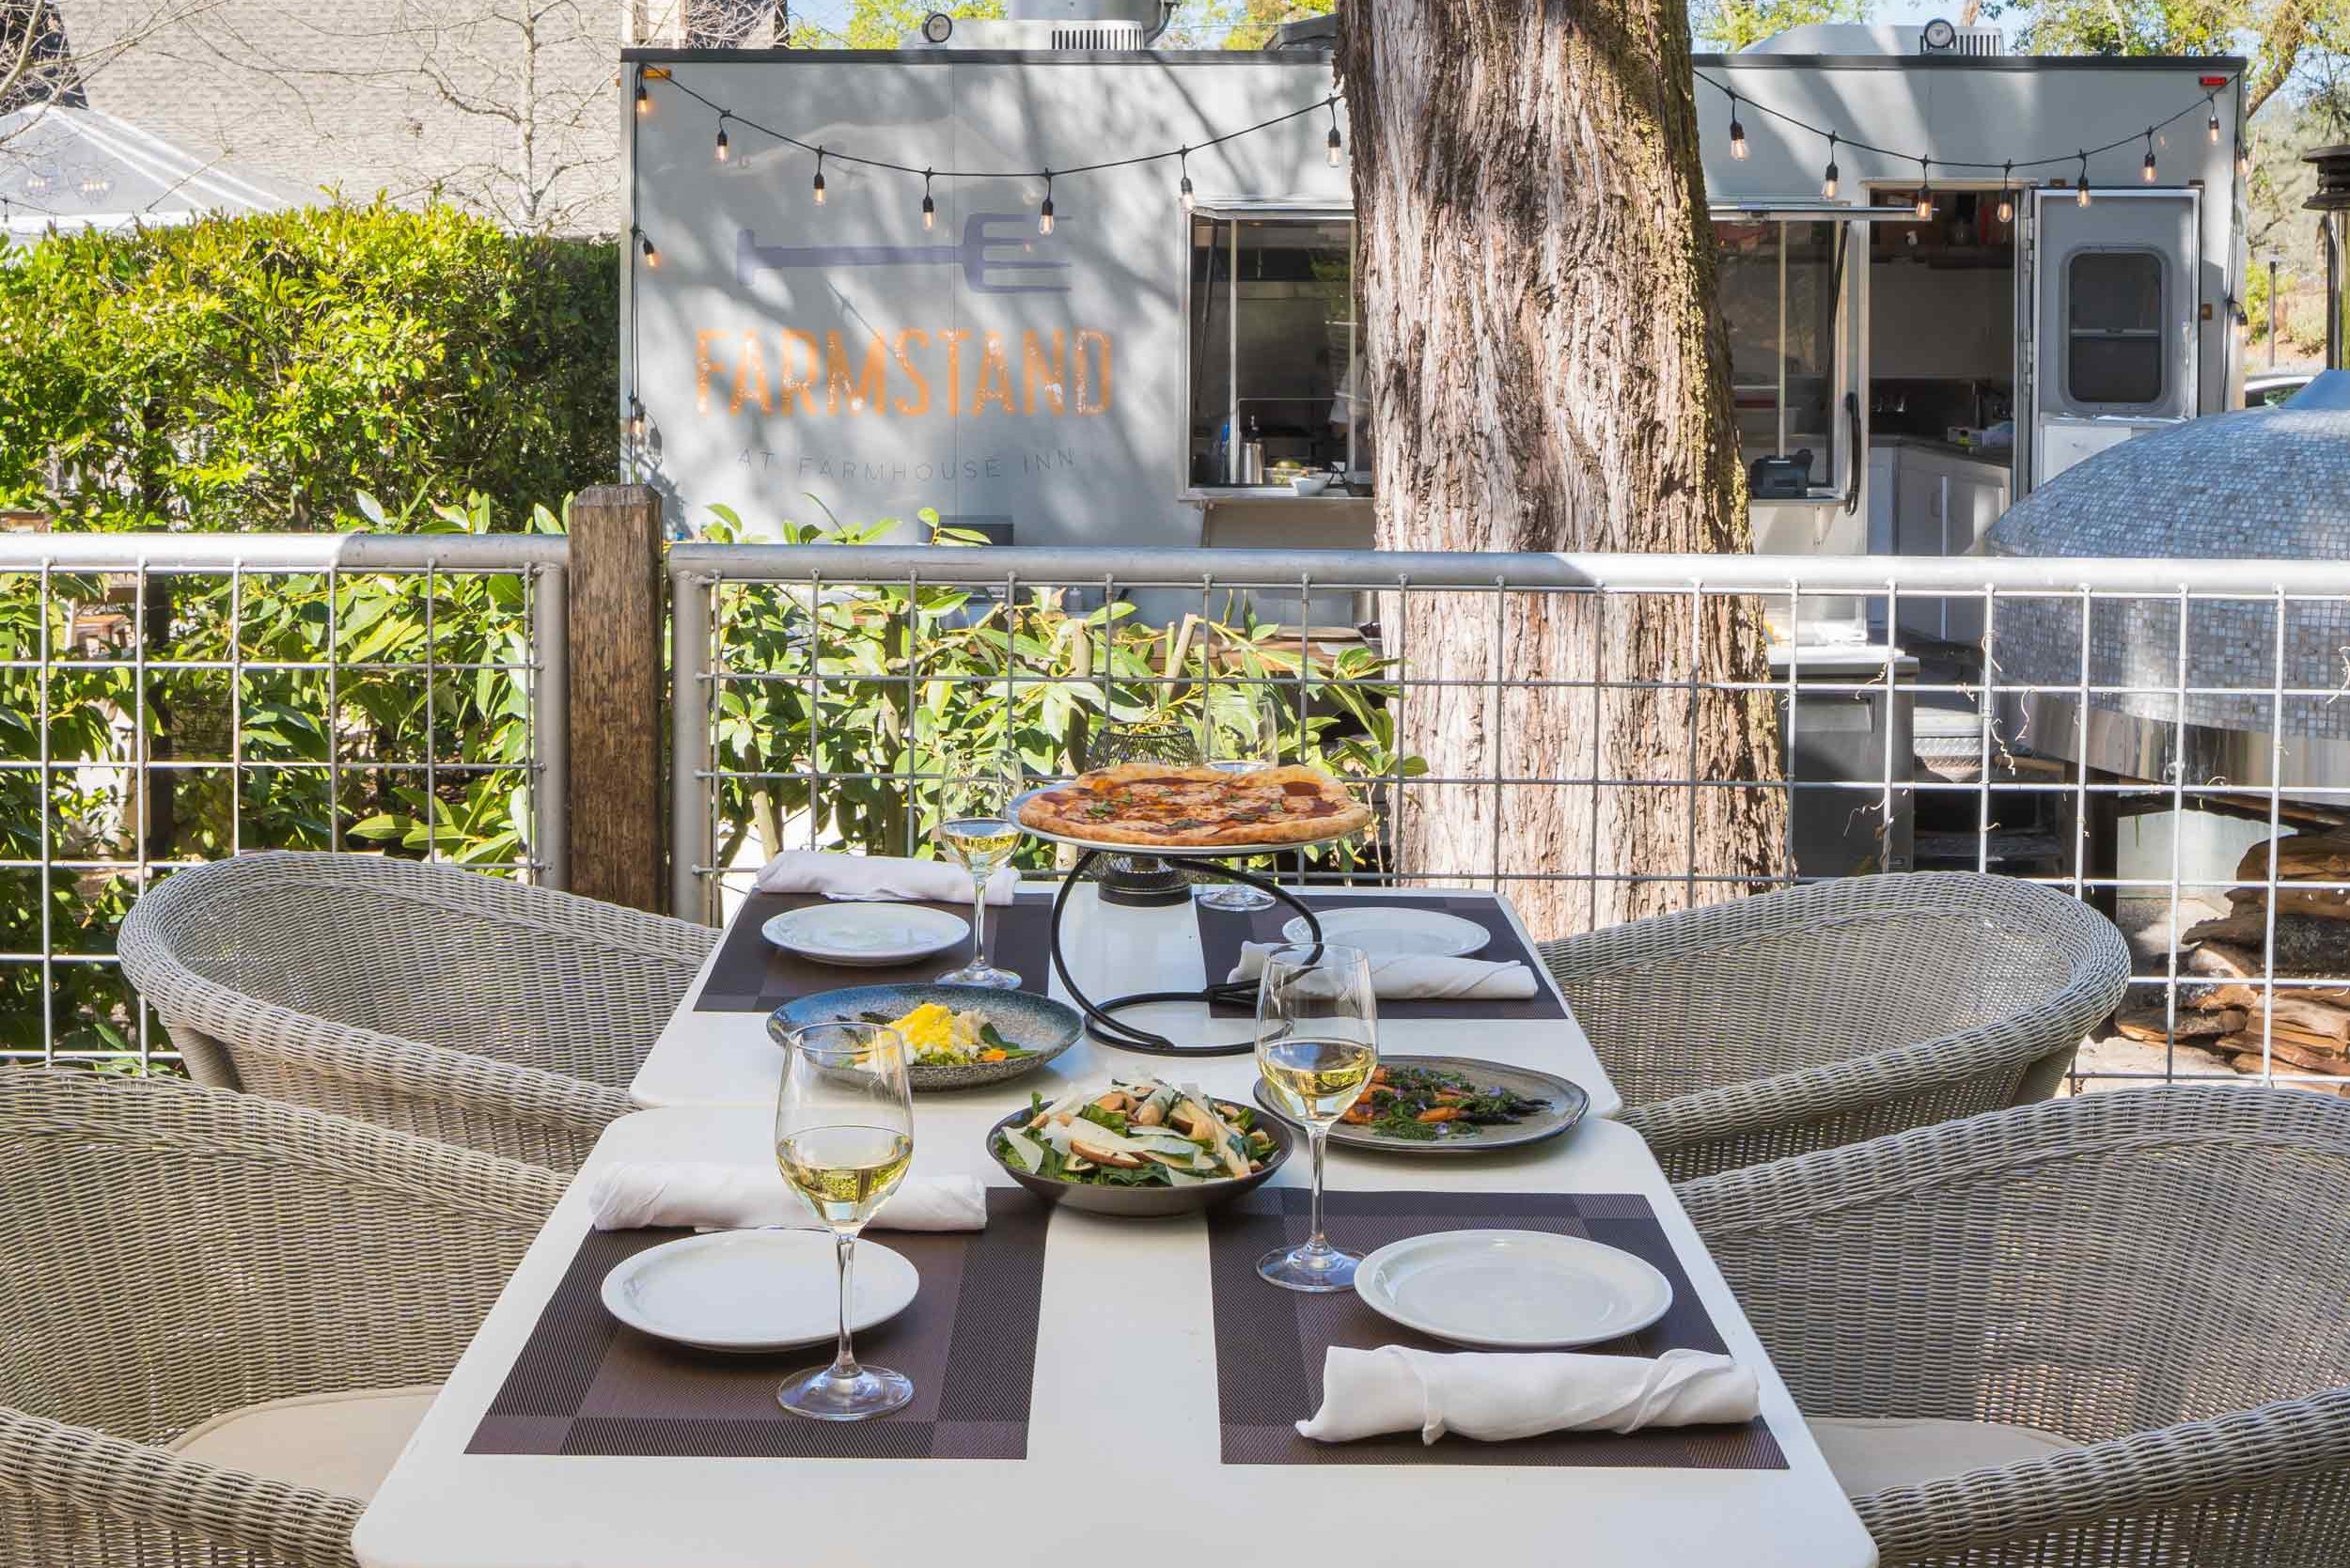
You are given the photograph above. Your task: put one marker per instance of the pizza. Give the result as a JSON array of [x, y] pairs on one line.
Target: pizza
[[1173, 808]]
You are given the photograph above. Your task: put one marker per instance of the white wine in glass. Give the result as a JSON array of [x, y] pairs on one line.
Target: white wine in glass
[[1240, 733], [1317, 1047], [844, 1135], [976, 829]]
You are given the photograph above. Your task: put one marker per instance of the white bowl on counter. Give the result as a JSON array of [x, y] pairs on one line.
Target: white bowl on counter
[[1311, 484]]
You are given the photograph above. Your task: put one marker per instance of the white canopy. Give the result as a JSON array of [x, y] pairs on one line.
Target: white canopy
[[81, 169]]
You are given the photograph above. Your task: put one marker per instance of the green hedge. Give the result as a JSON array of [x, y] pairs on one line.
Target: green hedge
[[256, 373]]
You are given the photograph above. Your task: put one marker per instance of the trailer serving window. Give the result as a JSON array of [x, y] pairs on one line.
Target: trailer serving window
[[1273, 347], [1778, 280], [2113, 328]]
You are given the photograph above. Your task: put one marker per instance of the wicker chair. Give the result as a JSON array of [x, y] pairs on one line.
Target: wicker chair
[[2160, 1276], [1796, 1021], [437, 1002], [171, 1253]]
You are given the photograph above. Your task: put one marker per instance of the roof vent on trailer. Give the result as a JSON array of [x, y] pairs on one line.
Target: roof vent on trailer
[[1848, 39], [1078, 25]]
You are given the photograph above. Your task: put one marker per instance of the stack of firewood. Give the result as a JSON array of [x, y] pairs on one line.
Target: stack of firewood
[[2225, 1008]]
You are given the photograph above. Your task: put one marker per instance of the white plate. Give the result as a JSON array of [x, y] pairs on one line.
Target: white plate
[[752, 1291], [1511, 1290], [865, 936], [1395, 932]]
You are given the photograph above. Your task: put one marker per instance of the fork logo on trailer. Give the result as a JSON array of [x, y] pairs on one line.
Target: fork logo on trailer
[[994, 261]]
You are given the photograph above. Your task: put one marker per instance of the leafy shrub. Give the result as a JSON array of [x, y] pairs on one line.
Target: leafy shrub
[[256, 374], [909, 685], [260, 374]]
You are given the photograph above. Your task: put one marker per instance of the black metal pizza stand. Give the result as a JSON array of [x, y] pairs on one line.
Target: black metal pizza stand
[[1101, 1022]]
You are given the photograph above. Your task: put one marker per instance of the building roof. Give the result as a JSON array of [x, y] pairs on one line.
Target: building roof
[[77, 169]]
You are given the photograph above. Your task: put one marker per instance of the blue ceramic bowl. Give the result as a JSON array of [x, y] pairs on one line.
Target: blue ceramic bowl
[[1033, 1023]]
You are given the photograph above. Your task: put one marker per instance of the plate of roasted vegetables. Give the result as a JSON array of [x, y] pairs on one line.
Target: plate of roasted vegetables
[[1139, 1147], [1453, 1105], [957, 1036]]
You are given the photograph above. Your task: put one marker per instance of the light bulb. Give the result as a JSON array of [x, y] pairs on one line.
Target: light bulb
[[2212, 126], [1185, 191], [2146, 169], [819, 186], [1925, 201], [929, 212], [2243, 161], [1337, 148], [1828, 180], [1737, 138], [721, 149], [644, 99], [1045, 217], [2007, 207], [652, 257]]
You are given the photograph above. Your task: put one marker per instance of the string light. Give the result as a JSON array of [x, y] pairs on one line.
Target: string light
[[636, 418], [644, 242], [720, 150], [1045, 213], [820, 177], [2146, 170], [644, 99], [2208, 101], [1338, 147], [1925, 188], [930, 208], [2243, 161], [1182, 191]]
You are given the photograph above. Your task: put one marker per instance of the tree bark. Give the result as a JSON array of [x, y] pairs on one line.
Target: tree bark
[[1547, 373]]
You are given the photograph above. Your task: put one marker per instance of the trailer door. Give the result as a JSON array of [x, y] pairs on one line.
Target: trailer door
[[2111, 293]]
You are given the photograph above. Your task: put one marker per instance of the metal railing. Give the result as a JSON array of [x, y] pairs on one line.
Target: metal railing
[[169, 698], [2034, 716]]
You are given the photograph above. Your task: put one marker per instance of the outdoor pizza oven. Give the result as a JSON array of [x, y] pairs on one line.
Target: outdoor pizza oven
[[2254, 484]]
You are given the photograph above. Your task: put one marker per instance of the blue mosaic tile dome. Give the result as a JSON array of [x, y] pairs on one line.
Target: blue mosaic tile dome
[[2269, 482]]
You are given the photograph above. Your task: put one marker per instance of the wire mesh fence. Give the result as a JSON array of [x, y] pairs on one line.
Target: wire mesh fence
[[2169, 740], [172, 700]]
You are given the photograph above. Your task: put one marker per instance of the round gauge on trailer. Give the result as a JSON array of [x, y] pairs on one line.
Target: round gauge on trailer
[[938, 26], [1940, 34]]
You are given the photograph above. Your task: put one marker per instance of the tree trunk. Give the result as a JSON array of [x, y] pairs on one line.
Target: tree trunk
[[1547, 373]]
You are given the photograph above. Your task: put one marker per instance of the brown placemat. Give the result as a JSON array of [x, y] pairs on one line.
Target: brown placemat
[[1269, 1341], [1222, 932], [753, 975], [587, 1384]]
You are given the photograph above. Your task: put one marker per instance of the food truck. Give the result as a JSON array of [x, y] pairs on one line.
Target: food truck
[[1057, 286]]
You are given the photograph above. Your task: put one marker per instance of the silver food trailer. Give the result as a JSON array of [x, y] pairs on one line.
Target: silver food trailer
[[1915, 352], [1151, 369]]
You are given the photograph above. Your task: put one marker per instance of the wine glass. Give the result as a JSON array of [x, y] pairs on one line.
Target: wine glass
[[1241, 732], [1317, 1046], [975, 826], [844, 1135]]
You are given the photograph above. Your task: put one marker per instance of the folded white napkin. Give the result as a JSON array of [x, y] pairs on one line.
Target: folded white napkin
[[1496, 1398], [1405, 977], [627, 1194], [871, 878]]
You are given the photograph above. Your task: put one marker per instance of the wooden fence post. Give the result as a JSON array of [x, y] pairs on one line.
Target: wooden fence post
[[616, 790]]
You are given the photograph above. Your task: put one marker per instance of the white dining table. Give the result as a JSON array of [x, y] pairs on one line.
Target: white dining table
[[1123, 1462], [727, 1058]]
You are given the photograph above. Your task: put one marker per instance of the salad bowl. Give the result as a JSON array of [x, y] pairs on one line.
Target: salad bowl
[[1107, 1193]]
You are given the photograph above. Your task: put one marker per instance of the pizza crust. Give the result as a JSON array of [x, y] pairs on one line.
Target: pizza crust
[[1202, 797]]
